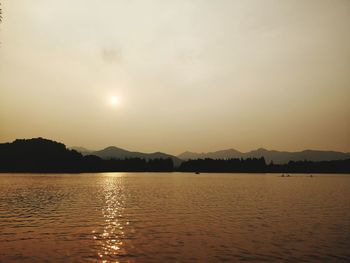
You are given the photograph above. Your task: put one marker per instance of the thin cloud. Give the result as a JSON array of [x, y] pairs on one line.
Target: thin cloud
[[111, 55]]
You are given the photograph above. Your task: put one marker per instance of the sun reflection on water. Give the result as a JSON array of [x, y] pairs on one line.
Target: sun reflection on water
[[110, 235]]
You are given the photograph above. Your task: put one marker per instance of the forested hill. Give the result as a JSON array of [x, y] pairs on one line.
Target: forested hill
[[42, 155], [277, 157]]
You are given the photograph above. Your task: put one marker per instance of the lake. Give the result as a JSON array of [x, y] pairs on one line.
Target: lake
[[174, 217]]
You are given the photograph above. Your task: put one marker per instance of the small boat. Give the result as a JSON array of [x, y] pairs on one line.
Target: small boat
[[197, 172]]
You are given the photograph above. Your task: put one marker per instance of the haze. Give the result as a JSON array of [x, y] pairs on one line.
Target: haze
[[177, 75]]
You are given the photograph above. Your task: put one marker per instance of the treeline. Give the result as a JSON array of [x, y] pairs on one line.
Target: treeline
[[41, 155], [224, 165], [258, 165]]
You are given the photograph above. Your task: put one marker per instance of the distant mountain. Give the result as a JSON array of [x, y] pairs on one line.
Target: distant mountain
[[113, 152], [82, 150], [278, 157], [223, 154], [43, 155]]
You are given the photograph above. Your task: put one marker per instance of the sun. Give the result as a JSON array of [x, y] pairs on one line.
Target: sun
[[114, 100]]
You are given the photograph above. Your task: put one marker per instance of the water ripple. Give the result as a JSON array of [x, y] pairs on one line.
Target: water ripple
[[174, 217]]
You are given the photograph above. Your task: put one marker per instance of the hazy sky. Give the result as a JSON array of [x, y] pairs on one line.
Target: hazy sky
[[195, 75]]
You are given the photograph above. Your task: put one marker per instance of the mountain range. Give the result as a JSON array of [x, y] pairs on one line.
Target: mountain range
[[278, 157], [113, 152]]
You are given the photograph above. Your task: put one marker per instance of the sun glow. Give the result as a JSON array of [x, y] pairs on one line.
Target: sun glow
[[114, 101]]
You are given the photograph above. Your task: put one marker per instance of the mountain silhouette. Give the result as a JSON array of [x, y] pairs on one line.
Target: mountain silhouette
[[43, 155], [278, 157], [81, 150], [223, 154], [113, 152], [38, 155]]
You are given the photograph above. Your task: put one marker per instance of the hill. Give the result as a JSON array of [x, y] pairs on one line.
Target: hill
[[113, 152], [223, 154], [278, 157], [43, 155], [81, 150], [38, 155]]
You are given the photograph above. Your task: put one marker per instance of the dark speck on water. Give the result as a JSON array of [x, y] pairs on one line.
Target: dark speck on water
[[174, 217]]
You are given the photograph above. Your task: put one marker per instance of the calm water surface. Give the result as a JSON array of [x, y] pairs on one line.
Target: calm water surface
[[167, 217]]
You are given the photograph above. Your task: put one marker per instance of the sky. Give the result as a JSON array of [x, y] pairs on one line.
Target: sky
[[171, 76]]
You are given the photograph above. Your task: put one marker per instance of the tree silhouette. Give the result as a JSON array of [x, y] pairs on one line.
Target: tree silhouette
[[42, 155]]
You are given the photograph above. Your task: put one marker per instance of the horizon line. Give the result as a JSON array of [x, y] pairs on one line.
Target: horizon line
[[186, 151]]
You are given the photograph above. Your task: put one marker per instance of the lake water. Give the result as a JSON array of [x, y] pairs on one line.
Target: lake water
[[174, 217]]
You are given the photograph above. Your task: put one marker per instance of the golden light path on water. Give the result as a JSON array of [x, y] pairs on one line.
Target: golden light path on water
[[173, 217], [110, 239]]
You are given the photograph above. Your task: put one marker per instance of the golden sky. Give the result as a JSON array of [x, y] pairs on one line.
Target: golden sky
[[171, 76]]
